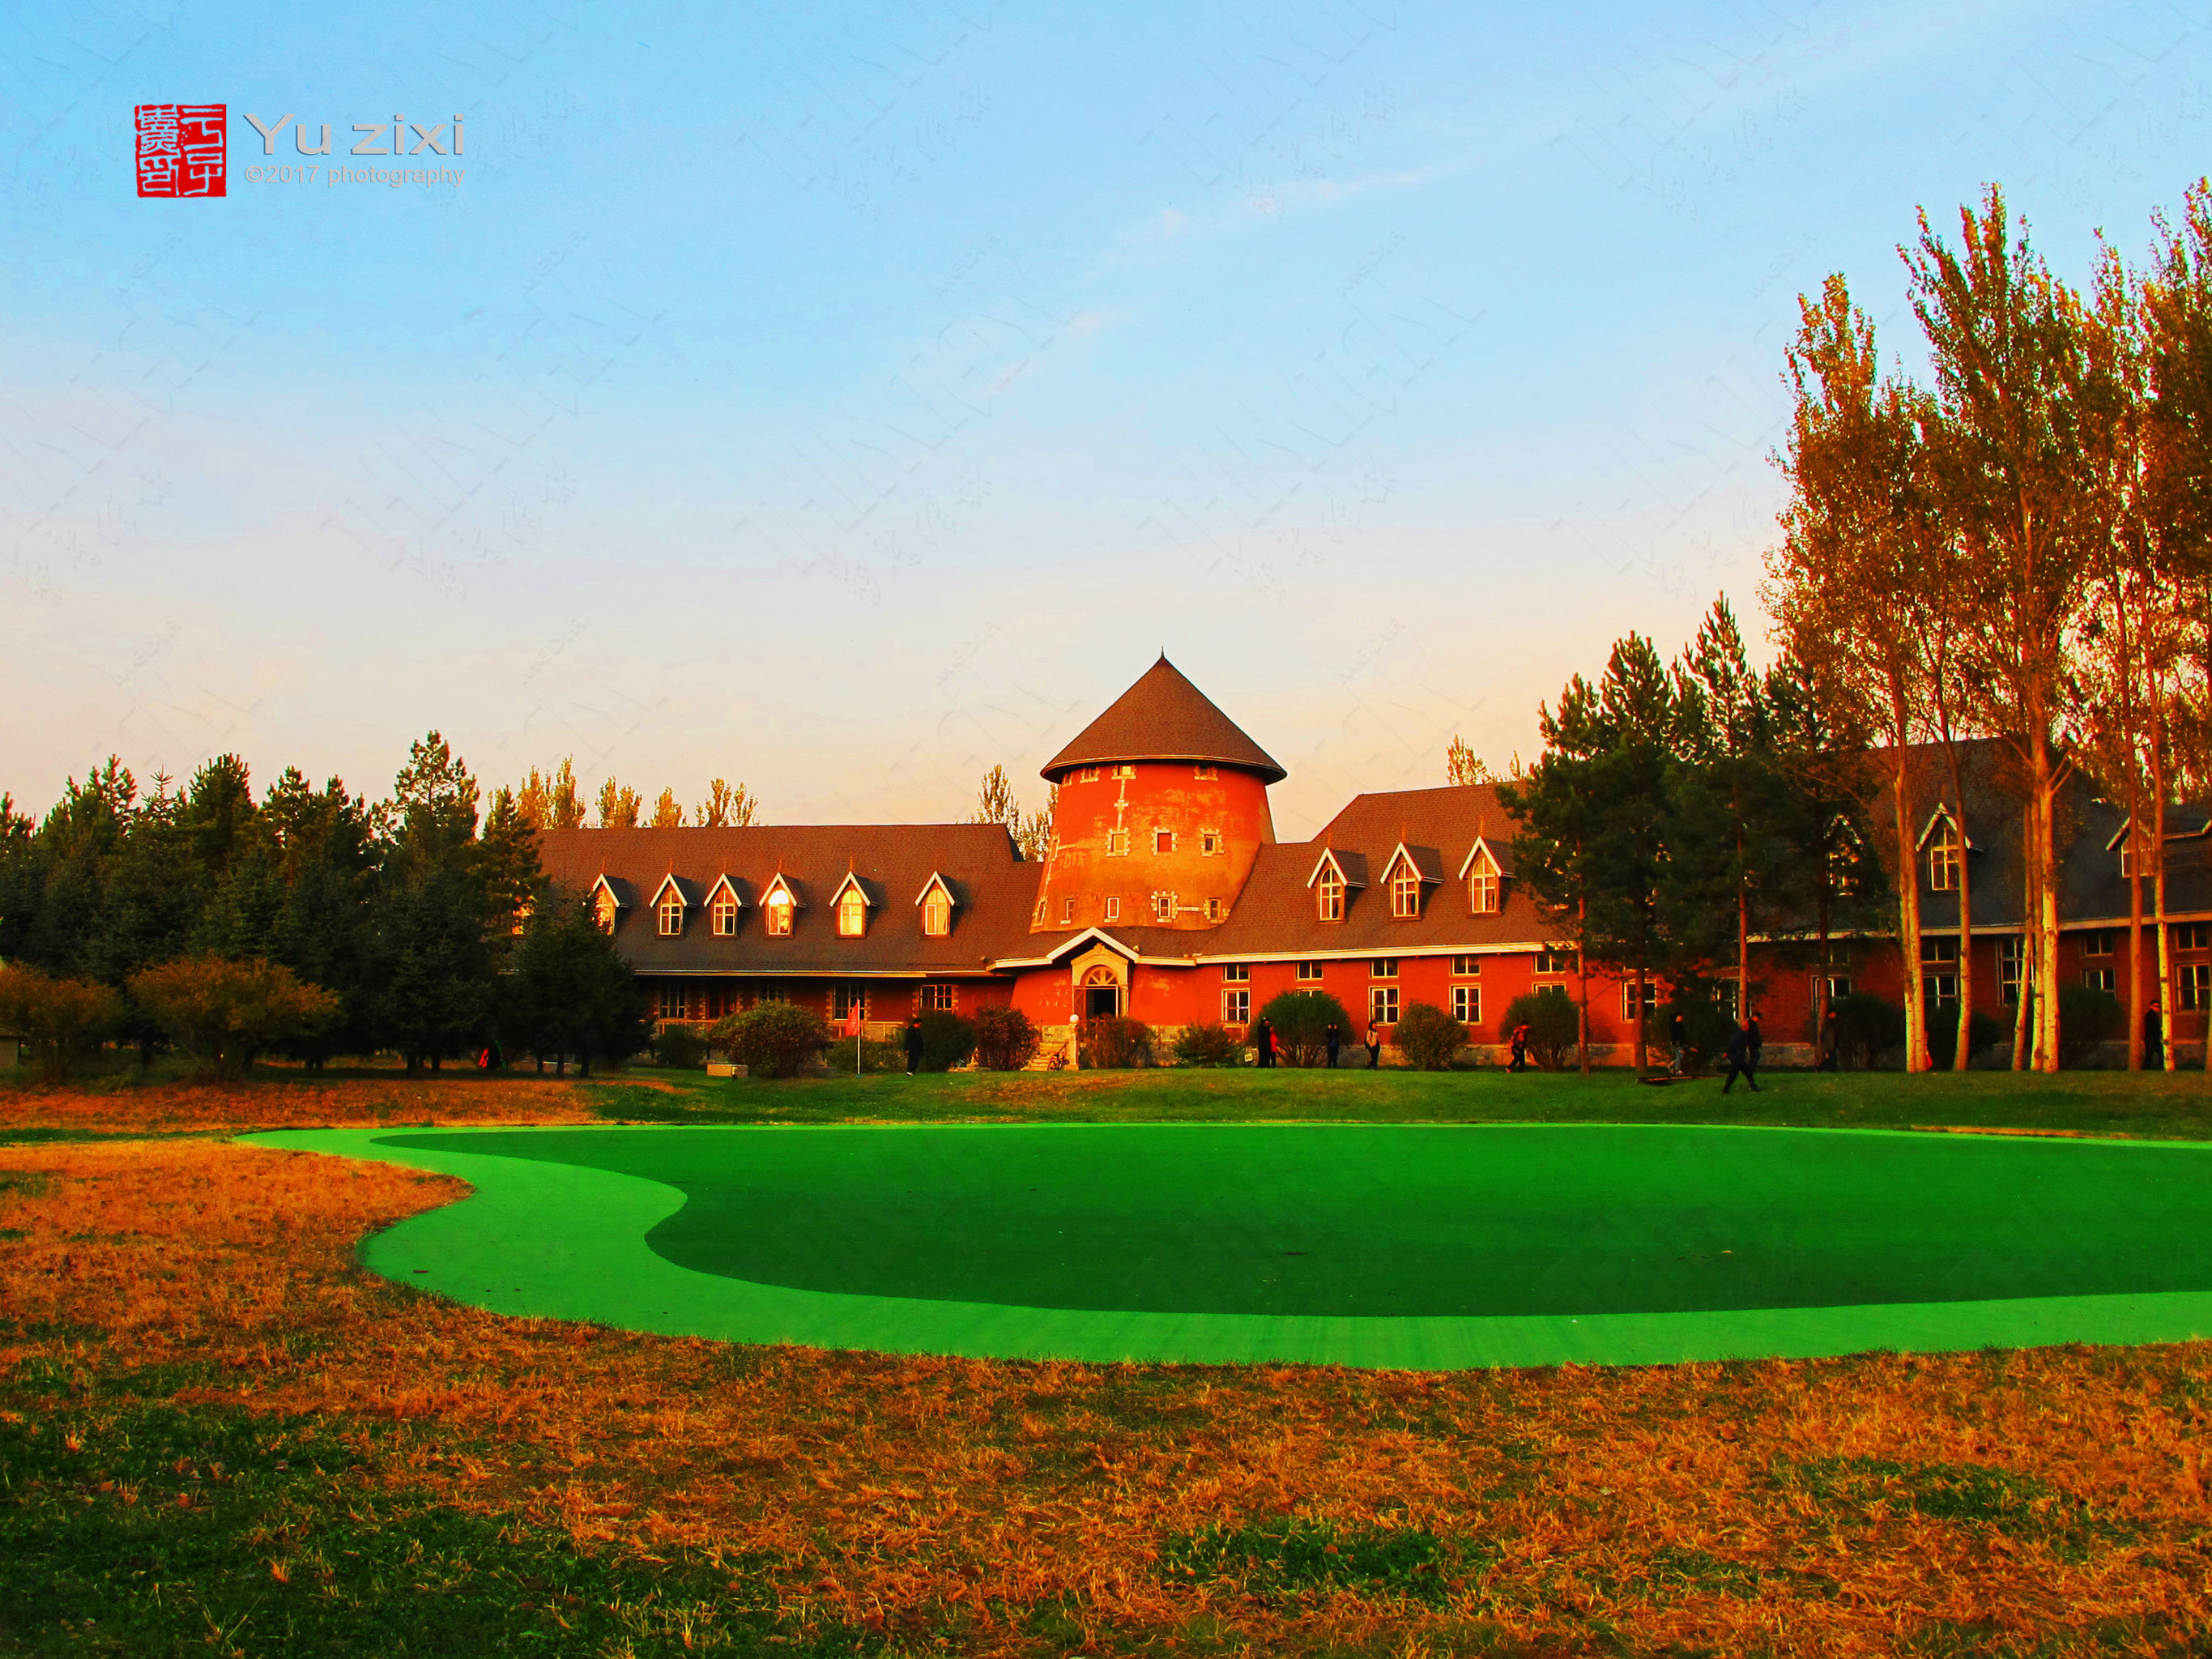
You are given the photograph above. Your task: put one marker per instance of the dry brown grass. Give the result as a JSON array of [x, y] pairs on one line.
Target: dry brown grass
[[1651, 1506], [278, 1101]]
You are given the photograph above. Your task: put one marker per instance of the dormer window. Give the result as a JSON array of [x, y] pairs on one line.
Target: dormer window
[[1943, 857], [605, 909], [724, 916], [779, 915], [1328, 895], [1482, 893], [937, 913], [852, 915], [1405, 893], [671, 915]]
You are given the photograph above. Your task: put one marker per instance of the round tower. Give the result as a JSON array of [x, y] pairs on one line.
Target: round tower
[[1162, 809]]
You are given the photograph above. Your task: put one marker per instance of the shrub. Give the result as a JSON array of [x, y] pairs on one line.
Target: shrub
[[1115, 1042], [224, 1013], [1983, 1031], [1553, 1024], [1869, 1026], [1708, 1026], [1429, 1037], [62, 1019], [681, 1047], [1005, 1040], [1209, 1045], [772, 1039], [1301, 1020], [946, 1040], [2087, 1017]]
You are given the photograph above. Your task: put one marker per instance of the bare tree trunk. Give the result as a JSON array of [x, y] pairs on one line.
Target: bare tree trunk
[[2157, 878], [1581, 979], [1964, 1052], [1642, 1064], [2045, 921], [2132, 855], [1908, 918]]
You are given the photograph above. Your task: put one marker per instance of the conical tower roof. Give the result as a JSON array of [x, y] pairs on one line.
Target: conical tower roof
[[1162, 717]]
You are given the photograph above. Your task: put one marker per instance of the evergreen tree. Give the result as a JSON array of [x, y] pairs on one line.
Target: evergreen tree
[[571, 993], [432, 957]]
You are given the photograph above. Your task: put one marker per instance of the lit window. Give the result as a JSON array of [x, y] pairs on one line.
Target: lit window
[[1309, 970], [1214, 909], [1329, 895], [1467, 1003], [1235, 1007], [936, 915], [1067, 911], [1164, 907], [671, 1002], [725, 915], [936, 999], [1209, 842], [1113, 910], [2097, 942], [852, 915], [671, 917], [1943, 857], [1382, 1004], [1208, 773], [779, 915], [1555, 962], [1125, 771], [606, 910], [1163, 841], [1117, 842], [1236, 971], [1405, 893], [1089, 774], [1482, 886], [1466, 967]]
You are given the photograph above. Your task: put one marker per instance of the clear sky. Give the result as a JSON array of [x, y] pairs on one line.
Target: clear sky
[[841, 398]]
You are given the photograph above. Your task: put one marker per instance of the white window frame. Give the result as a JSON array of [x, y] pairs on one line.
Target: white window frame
[[1943, 856], [1329, 896], [605, 912], [1213, 910], [1117, 843], [1237, 1007], [935, 998], [1066, 912], [724, 918], [1382, 1004], [1405, 894], [1209, 843], [842, 999], [1207, 774], [1114, 909], [1482, 895], [2192, 936], [2193, 984], [936, 915], [1236, 973], [1383, 968], [1159, 834], [1164, 907], [1467, 967], [1304, 978], [2098, 942], [1125, 770], [1628, 997], [2097, 979], [1551, 963], [671, 914], [1467, 1003], [779, 915], [1839, 986], [852, 915]]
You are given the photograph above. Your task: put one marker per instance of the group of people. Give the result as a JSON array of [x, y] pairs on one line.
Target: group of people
[[1744, 1045], [1267, 1050]]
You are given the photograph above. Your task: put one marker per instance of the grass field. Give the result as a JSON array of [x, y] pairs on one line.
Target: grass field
[[219, 1435]]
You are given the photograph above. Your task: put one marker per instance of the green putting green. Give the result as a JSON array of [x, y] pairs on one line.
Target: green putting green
[[1397, 1245]]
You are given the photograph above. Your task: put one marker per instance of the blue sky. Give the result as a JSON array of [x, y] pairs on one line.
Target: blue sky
[[844, 398]]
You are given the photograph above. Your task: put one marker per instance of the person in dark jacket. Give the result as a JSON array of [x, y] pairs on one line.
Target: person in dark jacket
[[1263, 1044], [1334, 1038], [1520, 1060], [1678, 1034], [1755, 1041], [2154, 1040], [913, 1045], [1743, 1056], [1831, 1040], [1373, 1044]]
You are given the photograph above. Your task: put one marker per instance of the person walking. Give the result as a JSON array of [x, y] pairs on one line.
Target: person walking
[[1743, 1056], [2154, 1040], [1520, 1060], [913, 1045], [1373, 1044], [1678, 1034], [1831, 1040], [1263, 1045], [1333, 1039]]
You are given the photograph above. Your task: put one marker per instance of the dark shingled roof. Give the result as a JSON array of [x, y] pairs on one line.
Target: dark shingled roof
[[1162, 717]]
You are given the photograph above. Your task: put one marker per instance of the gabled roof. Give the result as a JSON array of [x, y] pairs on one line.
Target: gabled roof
[[1162, 717], [1351, 866], [1428, 863], [618, 890], [1943, 814], [858, 886], [1501, 856], [2182, 823], [687, 893], [789, 888], [724, 884], [937, 880]]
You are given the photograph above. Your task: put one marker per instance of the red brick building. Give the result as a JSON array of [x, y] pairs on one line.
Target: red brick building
[[1166, 896]]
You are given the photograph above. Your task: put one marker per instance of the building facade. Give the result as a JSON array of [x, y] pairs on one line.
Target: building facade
[[1166, 896]]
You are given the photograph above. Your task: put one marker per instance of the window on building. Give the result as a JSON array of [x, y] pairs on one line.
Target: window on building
[[1628, 997], [1237, 972], [605, 910], [725, 916], [1125, 771], [1117, 843], [1208, 774], [779, 915], [1939, 947], [1213, 911], [1088, 774], [671, 1002], [1164, 907], [2100, 979], [852, 915], [1405, 894], [1726, 997], [1839, 986], [1466, 967], [2011, 968], [1209, 842], [1113, 910], [849, 999], [1382, 1004], [1839, 953], [937, 913], [2127, 855], [771, 991], [1329, 896], [2097, 942], [1942, 990], [2194, 981], [1943, 857], [1383, 968], [1309, 970], [1163, 841], [1482, 886], [1037, 920], [671, 917], [1067, 911], [937, 999], [2193, 936], [1235, 1007], [1467, 1003], [1555, 962]]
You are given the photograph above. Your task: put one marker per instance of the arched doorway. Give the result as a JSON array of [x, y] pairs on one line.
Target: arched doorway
[[1102, 994]]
